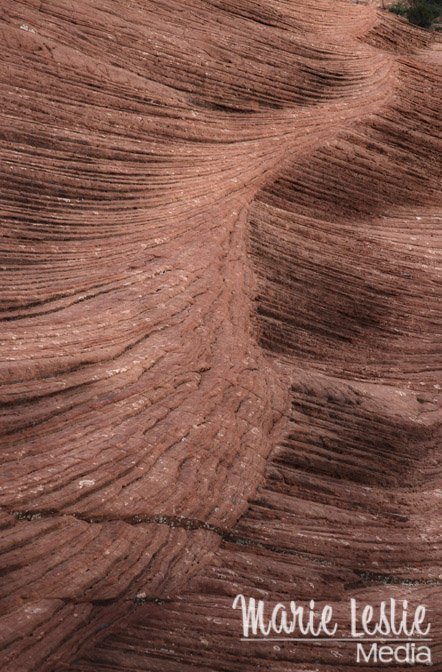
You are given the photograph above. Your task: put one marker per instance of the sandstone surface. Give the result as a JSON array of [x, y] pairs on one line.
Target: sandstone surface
[[221, 326]]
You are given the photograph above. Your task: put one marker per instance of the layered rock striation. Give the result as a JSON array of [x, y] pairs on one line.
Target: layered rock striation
[[221, 325]]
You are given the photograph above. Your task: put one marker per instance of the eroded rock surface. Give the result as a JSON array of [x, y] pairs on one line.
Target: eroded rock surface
[[221, 325]]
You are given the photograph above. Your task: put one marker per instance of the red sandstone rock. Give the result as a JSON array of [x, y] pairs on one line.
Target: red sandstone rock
[[221, 325]]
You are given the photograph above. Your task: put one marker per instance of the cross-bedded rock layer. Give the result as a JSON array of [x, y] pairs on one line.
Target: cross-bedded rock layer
[[220, 238]]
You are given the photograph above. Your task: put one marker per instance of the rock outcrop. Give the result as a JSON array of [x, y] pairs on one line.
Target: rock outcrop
[[221, 325]]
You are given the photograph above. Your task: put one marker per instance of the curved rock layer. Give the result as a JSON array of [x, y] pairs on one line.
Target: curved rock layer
[[221, 326]]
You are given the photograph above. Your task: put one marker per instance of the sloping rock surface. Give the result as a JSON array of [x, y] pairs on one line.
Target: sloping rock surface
[[221, 326]]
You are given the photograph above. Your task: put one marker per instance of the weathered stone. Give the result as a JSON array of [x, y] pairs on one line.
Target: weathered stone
[[220, 344]]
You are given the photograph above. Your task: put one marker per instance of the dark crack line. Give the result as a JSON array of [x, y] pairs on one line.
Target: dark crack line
[[225, 535]]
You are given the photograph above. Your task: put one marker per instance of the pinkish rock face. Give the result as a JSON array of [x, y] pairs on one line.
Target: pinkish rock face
[[220, 323]]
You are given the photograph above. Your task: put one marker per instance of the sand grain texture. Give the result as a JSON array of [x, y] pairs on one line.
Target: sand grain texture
[[221, 325]]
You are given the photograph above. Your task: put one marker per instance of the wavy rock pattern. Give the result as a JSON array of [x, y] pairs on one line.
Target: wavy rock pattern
[[221, 325]]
